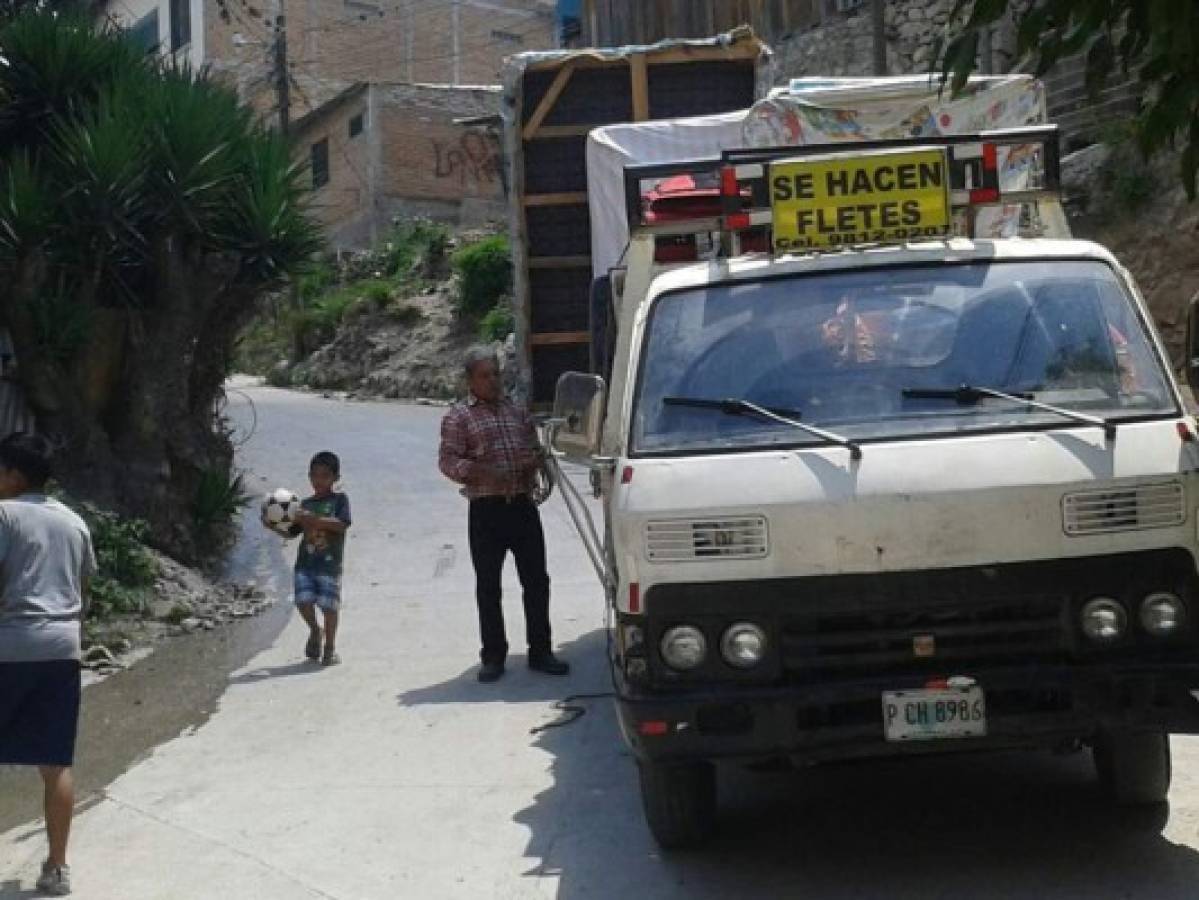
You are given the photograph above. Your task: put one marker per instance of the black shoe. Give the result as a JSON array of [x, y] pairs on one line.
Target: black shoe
[[549, 664], [491, 671]]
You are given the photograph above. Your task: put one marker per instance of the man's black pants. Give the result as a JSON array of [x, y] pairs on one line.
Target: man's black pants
[[498, 525]]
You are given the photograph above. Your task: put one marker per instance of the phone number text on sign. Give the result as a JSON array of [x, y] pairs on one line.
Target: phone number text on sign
[[880, 197]]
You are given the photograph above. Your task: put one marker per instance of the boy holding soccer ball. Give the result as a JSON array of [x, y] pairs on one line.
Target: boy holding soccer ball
[[323, 519]]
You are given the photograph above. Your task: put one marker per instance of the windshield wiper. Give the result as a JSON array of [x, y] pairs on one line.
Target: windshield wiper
[[969, 394], [735, 407]]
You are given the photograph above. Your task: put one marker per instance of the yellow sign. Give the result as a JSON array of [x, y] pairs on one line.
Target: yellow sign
[[867, 198]]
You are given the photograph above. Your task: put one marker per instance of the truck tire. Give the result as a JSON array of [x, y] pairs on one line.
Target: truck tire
[[1134, 767], [679, 801]]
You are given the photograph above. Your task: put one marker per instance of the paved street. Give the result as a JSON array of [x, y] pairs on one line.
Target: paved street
[[397, 775]]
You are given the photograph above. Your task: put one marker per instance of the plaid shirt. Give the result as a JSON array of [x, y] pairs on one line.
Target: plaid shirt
[[478, 435]]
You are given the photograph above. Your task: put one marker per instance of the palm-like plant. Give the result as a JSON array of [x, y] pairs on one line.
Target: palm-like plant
[[143, 205]]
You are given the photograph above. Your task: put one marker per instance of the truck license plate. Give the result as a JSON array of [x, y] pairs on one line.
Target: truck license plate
[[932, 714]]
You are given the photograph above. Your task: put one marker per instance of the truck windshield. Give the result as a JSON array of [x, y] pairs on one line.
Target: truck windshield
[[884, 353]]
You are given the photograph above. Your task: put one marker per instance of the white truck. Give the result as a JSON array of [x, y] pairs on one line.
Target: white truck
[[873, 485]]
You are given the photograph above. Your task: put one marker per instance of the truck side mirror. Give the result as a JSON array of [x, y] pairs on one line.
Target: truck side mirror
[[578, 415]]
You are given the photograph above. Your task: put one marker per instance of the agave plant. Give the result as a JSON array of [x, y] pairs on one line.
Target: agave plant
[[143, 210]]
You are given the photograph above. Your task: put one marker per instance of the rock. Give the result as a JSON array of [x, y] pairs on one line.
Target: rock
[[1080, 173], [190, 624], [171, 609]]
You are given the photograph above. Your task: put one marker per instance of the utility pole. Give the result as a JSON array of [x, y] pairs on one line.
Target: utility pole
[[282, 83], [879, 21]]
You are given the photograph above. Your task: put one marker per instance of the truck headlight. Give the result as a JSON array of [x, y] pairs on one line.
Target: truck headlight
[[1104, 620], [684, 647], [1162, 614], [743, 645]]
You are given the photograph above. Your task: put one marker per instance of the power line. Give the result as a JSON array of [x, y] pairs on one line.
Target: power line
[[382, 42], [427, 6]]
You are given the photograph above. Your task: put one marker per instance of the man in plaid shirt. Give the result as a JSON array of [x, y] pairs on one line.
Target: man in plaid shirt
[[489, 446]]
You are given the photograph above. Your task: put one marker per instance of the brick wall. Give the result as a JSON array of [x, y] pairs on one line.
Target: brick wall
[[342, 201], [460, 42], [431, 42], [410, 159]]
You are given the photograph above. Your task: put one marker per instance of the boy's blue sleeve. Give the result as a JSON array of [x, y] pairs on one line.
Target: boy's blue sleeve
[[342, 509]]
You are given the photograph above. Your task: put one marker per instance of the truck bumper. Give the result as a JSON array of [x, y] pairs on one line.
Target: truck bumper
[[1025, 708]]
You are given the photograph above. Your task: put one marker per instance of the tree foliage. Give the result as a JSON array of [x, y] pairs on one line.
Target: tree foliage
[[1157, 41], [143, 211]]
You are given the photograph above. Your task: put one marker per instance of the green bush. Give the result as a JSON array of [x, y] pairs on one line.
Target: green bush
[[376, 293], [417, 242], [120, 547], [219, 496], [260, 347], [330, 309], [485, 274], [315, 282], [280, 377], [498, 322], [316, 324], [126, 570]]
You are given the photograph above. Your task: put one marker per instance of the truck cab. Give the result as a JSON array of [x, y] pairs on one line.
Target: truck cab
[[888, 488]]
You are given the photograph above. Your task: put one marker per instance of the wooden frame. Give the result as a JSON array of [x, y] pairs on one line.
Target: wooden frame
[[740, 47]]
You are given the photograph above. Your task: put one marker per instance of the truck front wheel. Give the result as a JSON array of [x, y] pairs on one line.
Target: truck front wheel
[[1134, 767], [679, 801]]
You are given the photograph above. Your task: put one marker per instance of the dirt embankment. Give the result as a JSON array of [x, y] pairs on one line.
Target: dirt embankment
[[378, 355], [1141, 213]]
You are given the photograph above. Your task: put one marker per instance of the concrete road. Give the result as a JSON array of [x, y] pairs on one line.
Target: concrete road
[[397, 775]]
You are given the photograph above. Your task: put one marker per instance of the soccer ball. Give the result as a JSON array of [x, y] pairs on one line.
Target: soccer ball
[[279, 509]]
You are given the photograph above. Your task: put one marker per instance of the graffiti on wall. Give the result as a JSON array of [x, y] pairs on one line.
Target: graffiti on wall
[[473, 160]]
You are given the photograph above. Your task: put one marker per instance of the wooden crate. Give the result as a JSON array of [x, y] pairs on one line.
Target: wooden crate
[[557, 100]]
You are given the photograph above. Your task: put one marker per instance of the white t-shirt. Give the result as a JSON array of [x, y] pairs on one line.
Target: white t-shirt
[[45, 554]]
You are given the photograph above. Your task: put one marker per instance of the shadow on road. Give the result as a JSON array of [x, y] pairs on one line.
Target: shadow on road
[[519, 685], [1013, 825], [12, 890], [262, 673]]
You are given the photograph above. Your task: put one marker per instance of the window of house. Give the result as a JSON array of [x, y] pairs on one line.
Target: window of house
[[362, 10], [145, 33], [320, 163], [181, 24], [509, 37], [356, 125]]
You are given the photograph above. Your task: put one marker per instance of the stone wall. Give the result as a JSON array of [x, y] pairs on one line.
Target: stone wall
[[845, 46]]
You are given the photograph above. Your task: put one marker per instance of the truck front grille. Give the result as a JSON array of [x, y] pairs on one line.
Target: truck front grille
[[687, 540], [939, 637], [1124, 509]]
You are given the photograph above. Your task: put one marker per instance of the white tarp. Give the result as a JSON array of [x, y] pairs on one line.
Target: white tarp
[[611, 148], [812, 111]]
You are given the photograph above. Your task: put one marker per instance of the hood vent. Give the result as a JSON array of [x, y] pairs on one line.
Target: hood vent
[[685, 540], [1124, 509]]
